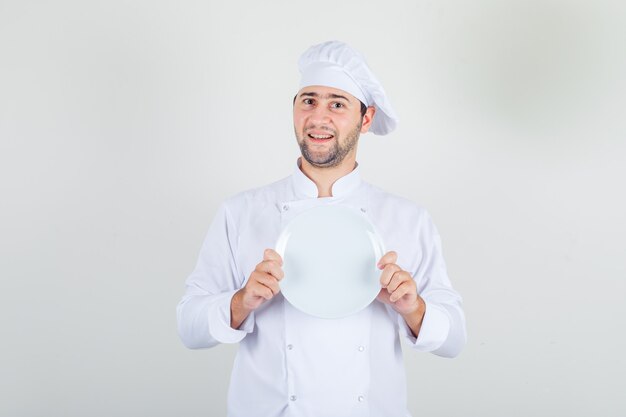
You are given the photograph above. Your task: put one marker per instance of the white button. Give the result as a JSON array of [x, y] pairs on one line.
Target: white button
[[361, 348], [289, 347], [361, 398], [285, 207], [293, 398]]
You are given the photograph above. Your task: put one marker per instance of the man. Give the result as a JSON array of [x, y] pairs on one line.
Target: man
[[290, 363]]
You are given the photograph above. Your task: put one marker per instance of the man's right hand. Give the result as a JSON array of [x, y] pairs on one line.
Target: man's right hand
[[261, 287]]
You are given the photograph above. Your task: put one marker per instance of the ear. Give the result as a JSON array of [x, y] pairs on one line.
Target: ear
[[368, 118]]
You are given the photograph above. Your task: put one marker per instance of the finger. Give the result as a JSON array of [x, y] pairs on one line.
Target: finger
[[397, 279], [387, 274], [266, 293], [259, 290], [383, 296], [271, 267], [272, 255], [270, 282], [390, 257], [402, 290]]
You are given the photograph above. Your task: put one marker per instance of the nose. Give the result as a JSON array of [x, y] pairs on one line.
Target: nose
[[320, 115]]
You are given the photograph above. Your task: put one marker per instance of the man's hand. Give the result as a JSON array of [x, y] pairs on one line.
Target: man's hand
[[261, 287], [400, 292]]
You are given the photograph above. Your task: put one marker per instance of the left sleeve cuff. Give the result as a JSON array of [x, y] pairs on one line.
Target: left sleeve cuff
[[219, 321], [434, 330]]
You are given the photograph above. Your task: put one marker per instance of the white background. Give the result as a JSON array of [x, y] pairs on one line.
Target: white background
[[123, 124]]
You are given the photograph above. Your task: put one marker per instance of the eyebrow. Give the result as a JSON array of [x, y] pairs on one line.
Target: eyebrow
[[327, 96]]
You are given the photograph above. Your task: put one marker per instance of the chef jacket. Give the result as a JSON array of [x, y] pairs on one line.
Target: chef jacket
[[293, 364]]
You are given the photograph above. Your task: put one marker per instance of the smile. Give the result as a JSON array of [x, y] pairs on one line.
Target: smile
[[319, 138]]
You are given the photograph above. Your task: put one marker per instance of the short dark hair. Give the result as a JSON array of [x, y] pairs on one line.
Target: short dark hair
[[363, 106]]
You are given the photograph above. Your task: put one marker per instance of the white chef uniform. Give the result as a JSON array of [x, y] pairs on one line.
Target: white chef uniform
[[293, 364]]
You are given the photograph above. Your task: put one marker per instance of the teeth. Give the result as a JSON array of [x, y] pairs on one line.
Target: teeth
[[321, 136]]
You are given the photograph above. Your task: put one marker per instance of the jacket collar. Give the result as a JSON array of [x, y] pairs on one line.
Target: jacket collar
[[304, 187]]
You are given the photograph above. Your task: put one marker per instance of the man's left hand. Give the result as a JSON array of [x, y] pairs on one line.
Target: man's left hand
[[400, 291]]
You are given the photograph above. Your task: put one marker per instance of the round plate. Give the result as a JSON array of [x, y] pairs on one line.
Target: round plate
[[329, 259]]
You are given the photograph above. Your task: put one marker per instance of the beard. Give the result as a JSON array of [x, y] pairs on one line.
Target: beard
[[335, 154]]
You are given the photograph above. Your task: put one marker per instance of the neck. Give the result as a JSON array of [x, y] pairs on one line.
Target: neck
[[324, 178]]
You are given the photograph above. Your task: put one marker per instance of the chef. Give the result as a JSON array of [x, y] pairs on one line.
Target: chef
[[290, 363]]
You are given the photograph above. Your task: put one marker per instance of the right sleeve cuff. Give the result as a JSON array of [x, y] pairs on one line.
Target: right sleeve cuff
[[219, 321], [433, 332]]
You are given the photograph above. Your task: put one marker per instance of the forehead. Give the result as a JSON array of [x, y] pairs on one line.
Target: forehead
[[324, 92]]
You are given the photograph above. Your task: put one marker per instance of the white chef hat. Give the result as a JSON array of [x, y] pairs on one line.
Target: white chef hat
[[335, 64]]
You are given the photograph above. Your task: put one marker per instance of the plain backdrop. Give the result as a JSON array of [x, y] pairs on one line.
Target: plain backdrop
[[123, 124]]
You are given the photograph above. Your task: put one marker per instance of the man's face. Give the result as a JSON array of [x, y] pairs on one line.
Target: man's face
[[327, 122]]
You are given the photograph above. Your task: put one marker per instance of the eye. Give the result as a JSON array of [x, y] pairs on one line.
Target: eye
[[337, 105], [308, 101]]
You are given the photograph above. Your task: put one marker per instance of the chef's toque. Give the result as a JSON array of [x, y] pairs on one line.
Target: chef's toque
[[335, 64]]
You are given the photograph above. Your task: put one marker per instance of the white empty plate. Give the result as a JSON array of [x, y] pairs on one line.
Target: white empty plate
[[329, 258]]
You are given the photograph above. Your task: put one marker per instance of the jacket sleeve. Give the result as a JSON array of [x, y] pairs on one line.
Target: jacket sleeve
[[203, 314], [443, 329]]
